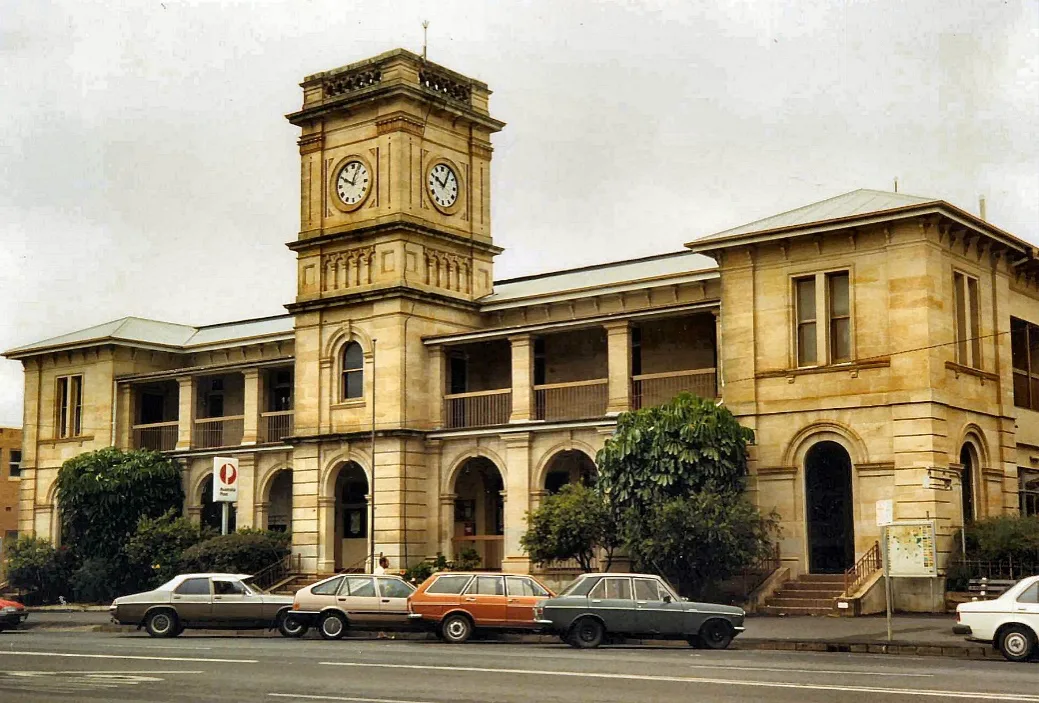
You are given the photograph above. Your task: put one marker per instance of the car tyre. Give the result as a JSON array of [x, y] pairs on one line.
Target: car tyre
[[695, 641], [587, 633], [1016, 643], [456, 628], [291, 626], [716, 634], [162, 623], [332, 626]]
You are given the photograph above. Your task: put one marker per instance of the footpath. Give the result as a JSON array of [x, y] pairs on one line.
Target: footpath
[[914, 635]]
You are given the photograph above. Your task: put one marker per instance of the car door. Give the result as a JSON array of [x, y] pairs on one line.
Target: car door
[[443, 594], [1027, 606], [193, 600], [484, 599], [522, 595], [611, 599], [393, 600], [231, 604], [657, 611], [358, 597]]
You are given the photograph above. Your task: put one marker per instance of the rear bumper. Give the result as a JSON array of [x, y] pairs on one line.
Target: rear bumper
[[960, 629], [14, 619], [306, 617]]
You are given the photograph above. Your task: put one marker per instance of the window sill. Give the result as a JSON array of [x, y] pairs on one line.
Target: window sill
[[852, 367], [970, 371], [68, 440], [352, 403]]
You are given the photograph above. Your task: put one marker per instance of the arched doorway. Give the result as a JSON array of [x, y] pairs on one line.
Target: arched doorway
[[212, 513], [479, 520], [969, 461], [279, 502], [351, 518], [570, 466], [829, 509]]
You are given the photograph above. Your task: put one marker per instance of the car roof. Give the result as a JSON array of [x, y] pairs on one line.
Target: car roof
[[214, 576]]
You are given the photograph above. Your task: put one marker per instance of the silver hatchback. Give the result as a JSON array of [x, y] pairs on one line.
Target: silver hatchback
[[359, 601]]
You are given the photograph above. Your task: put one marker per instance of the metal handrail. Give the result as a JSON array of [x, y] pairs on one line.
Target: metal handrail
[[868, 564], [278, 571]]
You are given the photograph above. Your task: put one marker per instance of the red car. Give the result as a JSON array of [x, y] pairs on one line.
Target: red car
[[12, 614]]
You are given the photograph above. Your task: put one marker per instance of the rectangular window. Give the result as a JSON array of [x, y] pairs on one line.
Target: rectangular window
[[1024, 356], [1029, 491], [806, 317], [15, 463], [69, 406], [840, 317], [967, 322]]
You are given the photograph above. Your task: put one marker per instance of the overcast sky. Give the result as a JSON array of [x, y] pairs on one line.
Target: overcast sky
[[146, 167]]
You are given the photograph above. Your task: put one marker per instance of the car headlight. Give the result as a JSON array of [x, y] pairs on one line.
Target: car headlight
[[8, 609]]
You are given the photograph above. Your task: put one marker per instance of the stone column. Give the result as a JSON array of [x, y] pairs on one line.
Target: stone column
[[245, 515], [326, 557], [438, 386], [522, 378], [447, 525], [186, 400], [251, 406], [618, 354], [195, 514], [517, 503], [306, 518], [719, 383], [124, 417], [260, 513]]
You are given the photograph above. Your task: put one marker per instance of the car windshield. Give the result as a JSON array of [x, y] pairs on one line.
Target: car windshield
[[580, 587]]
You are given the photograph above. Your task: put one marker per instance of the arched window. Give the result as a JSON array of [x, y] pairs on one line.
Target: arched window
[[353, 371]]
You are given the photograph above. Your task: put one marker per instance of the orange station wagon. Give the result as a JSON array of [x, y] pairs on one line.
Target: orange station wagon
[[455, 604]]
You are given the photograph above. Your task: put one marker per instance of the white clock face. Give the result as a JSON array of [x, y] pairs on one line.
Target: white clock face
[[443, 185], [352, 183]]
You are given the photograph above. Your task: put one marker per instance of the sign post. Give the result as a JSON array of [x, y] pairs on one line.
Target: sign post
[[225, 486], [885, 516], [909, 551]]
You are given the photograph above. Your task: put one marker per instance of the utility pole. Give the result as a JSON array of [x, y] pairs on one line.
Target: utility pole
[[371, 486]]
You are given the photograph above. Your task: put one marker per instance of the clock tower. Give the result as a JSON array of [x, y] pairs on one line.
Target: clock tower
[[395, 183]]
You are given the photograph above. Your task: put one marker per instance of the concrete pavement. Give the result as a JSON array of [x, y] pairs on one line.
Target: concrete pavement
[[45, 665]]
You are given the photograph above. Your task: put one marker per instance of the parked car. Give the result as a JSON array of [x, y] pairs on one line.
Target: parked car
[[635, 605], [349, 600], [12, 614], [455, 604], [1010, 623], [200, 600]]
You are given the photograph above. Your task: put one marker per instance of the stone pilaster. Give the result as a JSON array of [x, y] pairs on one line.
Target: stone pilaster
[[251, 408], [447, 525], [522, 378], [124, 417], [186, 402], [517, 501], [618, 351]]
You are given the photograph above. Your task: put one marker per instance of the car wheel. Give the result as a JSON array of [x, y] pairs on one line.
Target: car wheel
[[1016, 643], [162, 623], [716, 634], [695, 641], [332, 626], [291, 626], [456, 628], [587, 633]]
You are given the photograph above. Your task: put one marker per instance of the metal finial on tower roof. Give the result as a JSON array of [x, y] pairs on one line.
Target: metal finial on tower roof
[[896, 178], [425, 27]]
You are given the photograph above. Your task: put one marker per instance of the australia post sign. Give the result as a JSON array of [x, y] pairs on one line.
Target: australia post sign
[[225, 479]]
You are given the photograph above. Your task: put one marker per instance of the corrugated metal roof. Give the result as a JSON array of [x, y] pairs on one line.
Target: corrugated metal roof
[[855, 203], [217, 334], [611, 274]]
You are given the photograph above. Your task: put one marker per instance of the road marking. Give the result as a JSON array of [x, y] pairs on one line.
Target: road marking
[[976, 696], [300, 696], [150, 646], [129, 656]]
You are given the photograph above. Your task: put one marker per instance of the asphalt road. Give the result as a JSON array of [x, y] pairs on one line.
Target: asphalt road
[[88, 666]]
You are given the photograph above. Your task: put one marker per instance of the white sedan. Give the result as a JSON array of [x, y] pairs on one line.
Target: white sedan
[[1010, 622]]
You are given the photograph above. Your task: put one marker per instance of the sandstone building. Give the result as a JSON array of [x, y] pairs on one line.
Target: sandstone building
[[882, 346], [10, 482]]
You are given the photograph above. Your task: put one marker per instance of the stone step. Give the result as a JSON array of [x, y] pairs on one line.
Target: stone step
[[822, 578], [781, 601], [813, 588], [795, 610]]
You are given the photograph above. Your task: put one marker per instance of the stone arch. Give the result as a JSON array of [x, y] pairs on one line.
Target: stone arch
[[331, 471], [273, 510], [543, 465], [476, 516], [267, 478], [54, 514], [828, 479], [973, 434], [456, 464], [345, 334], [825, 430], [196, 497]]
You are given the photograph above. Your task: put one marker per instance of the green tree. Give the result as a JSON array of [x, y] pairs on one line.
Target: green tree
[[36, 566], [154, 551], [104, 494], [572, 524]]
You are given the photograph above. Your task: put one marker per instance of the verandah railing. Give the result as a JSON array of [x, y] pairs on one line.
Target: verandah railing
[[574, 400], [275, 426], [156, 436], [478, 409], [213, 432], [650, 389]]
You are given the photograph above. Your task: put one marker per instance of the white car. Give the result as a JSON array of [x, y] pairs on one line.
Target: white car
[[1010, 622]]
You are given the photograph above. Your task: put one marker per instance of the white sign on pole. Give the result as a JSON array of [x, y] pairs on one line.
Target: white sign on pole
[[885, 512], [911, 548], [225, 479]]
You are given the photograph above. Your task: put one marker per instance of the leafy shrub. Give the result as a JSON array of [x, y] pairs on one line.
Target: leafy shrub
[[34, 565], [426, 568], [1003, 538], [469, 559], [571, 524], [97, 581], [246, 551], [154, 551]]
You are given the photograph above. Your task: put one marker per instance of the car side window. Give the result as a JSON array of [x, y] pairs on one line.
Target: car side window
[[193, 587], [599, 590], [487, 586], [523, 586], [360, 586], [646, 590], [328, 588], [448, 584], [618, 589], [392, 588], [1030, 595], [227, 588]]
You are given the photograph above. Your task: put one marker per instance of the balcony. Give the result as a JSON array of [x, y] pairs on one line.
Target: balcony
[[576, 400], [213, 432], [477, 409], [275, 426], [651, 389], [156, 436]]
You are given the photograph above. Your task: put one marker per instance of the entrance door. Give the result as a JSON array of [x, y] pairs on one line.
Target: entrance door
[[831, 524]]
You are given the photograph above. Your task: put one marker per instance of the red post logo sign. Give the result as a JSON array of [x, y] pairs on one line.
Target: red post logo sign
[[225, 479]]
